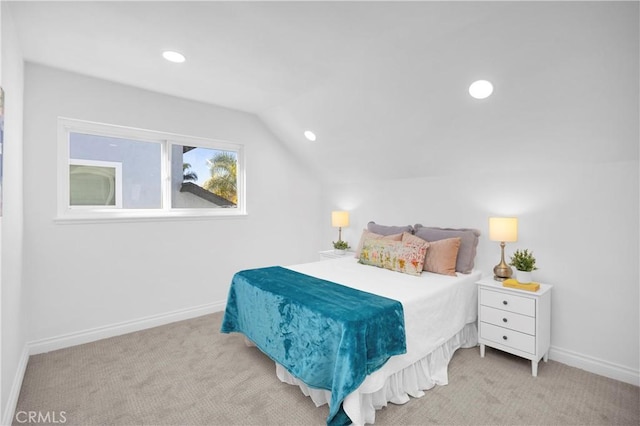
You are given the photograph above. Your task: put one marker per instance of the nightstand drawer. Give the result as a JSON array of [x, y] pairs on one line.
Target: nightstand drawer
[[506, 337], [508, 302], [510, 320]]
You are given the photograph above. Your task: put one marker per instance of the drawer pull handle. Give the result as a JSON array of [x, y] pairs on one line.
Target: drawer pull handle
[[504, 302], [504, 337], [504, 320]]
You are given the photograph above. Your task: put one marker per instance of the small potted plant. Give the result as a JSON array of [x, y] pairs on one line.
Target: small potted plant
[[340, 247], [525, 263]]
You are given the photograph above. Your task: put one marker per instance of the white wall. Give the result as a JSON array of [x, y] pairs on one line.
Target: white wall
[[13, 306], [581, 221], [82, 277]]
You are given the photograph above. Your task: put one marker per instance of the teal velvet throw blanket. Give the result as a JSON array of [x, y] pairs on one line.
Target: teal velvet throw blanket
[[328, 335]]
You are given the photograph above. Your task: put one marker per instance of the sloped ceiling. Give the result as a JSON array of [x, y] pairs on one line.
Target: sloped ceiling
[[382, 84]]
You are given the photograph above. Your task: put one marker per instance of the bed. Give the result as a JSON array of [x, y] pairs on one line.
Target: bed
[[429, 315]]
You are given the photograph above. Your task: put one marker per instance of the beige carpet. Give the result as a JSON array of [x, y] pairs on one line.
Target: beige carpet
[[187, 373]]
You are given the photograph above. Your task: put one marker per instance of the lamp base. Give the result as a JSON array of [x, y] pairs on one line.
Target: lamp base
[[502, 272]]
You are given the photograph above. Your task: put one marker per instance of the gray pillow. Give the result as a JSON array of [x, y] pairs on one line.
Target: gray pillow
[[468, 243], [388, 230]]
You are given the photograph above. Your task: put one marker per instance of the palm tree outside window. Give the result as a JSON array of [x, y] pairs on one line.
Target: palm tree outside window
[[224, 176]]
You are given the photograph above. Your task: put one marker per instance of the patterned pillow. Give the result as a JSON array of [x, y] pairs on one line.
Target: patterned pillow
[[368, 235], [410, 238], [394, 255]]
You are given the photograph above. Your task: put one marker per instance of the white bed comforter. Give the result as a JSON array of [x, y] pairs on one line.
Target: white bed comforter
[[436, 310]]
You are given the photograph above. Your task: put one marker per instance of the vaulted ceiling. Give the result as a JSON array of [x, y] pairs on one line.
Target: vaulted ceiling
[[382, 84]]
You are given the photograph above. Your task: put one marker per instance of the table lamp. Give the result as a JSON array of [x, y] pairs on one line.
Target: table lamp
[[503, 229], [339, 219]]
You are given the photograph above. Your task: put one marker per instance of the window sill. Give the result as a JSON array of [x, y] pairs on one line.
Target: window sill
[[145, 216]]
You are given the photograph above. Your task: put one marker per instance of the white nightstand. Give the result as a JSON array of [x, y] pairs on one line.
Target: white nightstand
[[331, 254], [515, 321]]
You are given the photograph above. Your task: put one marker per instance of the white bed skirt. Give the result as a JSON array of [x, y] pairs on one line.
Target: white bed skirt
[[410, 381]]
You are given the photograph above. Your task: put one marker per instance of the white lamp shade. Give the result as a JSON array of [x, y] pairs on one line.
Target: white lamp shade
[[503, 229], [339, 219]]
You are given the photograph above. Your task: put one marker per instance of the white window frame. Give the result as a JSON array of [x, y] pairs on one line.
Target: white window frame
[[67, 213]]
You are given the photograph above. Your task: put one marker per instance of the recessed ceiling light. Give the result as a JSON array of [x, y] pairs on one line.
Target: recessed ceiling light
[[481, 89], [310, 135], [172, 56]]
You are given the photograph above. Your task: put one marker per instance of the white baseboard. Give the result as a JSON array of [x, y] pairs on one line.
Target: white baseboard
[[14, 393], [595, 365], [99, 333]]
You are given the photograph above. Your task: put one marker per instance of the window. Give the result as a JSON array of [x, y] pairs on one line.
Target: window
[[113, 172]]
